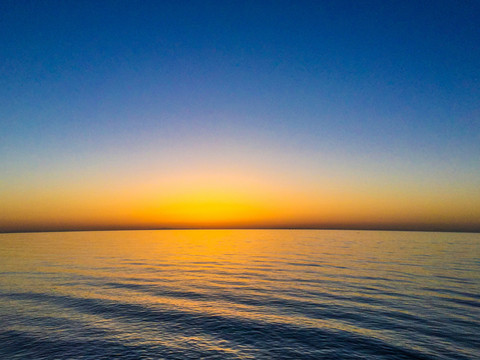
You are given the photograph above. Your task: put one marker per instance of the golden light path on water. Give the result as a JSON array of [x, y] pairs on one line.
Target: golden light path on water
[[241, 293]]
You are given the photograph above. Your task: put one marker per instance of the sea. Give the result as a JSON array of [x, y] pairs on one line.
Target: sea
[[240, 294]]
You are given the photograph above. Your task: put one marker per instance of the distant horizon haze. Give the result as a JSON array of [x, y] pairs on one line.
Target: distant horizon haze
[[468, 228]]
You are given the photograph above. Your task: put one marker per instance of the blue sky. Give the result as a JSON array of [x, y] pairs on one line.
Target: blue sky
[[379, 92]]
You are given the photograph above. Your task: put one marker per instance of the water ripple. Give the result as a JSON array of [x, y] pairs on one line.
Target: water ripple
[[329, 295]]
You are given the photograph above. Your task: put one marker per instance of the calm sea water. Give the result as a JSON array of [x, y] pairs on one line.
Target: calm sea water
[[240, 294]]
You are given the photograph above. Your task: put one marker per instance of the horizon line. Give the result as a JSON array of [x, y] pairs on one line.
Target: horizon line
[[93, 229]]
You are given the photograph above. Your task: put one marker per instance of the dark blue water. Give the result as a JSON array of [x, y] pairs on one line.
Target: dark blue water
[[240, 294]]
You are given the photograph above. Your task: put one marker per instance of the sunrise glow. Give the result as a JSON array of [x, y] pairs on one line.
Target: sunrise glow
[[223, 117]]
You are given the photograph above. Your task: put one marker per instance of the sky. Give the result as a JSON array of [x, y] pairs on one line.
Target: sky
[[206, 114]]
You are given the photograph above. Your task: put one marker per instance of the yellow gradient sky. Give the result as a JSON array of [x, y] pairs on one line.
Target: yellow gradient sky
[[206, 190]]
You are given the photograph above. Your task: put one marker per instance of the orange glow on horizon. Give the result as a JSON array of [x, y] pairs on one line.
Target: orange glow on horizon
[[242, 199]]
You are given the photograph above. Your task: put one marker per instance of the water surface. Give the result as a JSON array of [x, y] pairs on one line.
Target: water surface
[[240, 294]]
